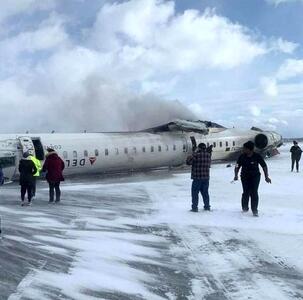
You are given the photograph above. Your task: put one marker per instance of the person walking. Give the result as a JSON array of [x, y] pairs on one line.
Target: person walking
[[249, 162], [38, 166], [27, 169], [296, 153], [1, 176], [200, 161], [53, 166]]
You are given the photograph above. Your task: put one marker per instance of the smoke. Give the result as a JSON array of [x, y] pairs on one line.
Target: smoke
[[92, 105], [106, 106], [103, 106]]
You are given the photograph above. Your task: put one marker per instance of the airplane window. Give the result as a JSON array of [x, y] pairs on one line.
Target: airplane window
[[126, 150], [226, 144], [117, 151], [234, 143], [74, 154], [159, 148], [215, 144], [174, 147], [65, 155], [106, 152], [96, 152], [221, 144], [152, 149], [184, 148], [135, 150], [143, 149], [167, 148], [85, 153]]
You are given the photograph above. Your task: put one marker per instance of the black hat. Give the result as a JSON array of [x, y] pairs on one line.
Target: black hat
[[249, 145], [202, 146], [26, 154]]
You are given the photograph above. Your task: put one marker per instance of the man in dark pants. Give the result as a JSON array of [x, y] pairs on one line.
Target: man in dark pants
[[37, 164], [296, 153], [1, 176], [27, 169], [249, 161], [200, 161], [53, 166]]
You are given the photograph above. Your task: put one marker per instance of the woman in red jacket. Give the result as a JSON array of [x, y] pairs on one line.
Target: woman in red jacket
[[53, 166]]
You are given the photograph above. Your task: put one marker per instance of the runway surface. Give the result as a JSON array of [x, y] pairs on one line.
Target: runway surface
[[133, 237]]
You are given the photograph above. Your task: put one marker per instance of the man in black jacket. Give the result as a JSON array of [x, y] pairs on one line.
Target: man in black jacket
[[27, 170], [249, 161], [296, 153]]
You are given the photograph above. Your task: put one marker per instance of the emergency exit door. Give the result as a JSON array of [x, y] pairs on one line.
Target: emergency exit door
[[33, 145], [27, 145]]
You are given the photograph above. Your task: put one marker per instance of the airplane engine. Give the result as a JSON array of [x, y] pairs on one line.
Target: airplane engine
[[261, 141]]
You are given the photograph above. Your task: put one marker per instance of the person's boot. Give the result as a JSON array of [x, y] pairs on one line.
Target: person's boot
[[194, 210], [255, 214], [22, 203]]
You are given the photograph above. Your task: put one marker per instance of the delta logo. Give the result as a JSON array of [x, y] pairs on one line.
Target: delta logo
[[92, 160]]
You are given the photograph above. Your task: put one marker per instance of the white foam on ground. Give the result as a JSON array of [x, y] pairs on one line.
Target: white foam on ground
[[101, 262]]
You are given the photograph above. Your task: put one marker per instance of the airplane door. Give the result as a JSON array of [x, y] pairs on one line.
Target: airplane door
[[27, 145], [194, 143]]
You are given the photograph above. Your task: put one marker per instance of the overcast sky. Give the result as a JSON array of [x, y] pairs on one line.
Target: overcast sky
[[88, 64]]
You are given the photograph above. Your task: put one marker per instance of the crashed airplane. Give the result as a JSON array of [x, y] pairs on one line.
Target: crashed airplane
[[163, 146]]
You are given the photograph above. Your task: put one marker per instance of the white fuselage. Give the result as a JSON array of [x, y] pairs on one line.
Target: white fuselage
[[86, 153]]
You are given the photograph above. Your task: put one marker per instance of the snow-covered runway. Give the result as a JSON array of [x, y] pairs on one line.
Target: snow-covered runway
[[134, 238]]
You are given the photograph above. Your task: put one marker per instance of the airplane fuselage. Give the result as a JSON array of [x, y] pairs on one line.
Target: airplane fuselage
[[86, 153]]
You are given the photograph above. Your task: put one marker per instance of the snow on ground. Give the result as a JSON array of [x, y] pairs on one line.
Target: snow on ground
[[134, 238]]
